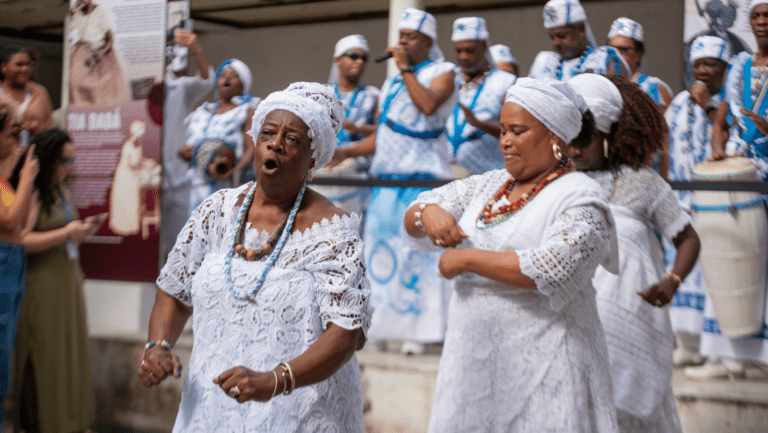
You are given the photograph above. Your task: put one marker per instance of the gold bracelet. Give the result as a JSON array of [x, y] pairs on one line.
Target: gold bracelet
[[675, 277], [287, 368]]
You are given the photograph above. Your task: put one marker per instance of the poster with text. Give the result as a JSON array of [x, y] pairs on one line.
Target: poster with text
[[116, 57], [727, 19]]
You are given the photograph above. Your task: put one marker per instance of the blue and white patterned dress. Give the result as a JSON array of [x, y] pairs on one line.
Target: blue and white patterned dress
[[410, 300], [690, 136], [601, 60], [472, 148], [745, 140], [652, 86], [227, 127]]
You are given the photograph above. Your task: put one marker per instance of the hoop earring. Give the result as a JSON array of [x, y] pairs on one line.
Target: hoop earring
[[556, 152], [605, 148]]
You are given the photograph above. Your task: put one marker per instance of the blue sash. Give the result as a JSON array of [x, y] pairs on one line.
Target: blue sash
[[458, 129], [344, 135], [396, 127], [751, 133]]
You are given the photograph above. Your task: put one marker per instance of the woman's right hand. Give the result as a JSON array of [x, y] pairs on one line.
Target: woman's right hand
[[185, 152], [441, 227], [157, 364], [80, 229]]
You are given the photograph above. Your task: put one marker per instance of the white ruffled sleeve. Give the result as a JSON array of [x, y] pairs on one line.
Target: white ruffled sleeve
[[573, 246], [343, 290], [195, 240]]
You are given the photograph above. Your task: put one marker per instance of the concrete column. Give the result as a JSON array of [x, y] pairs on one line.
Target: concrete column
[[396, 8]]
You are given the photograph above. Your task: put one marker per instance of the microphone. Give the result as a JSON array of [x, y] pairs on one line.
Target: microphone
[[383, 57]]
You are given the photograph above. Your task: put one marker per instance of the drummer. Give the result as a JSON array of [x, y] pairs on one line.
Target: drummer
[[689, 118], [747, 137]]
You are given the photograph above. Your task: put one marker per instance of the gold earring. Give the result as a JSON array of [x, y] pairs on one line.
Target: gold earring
[[556, 152]]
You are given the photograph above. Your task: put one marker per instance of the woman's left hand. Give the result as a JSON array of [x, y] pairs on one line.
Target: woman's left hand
[[253, 385], [659, 294], [452, 263], [758, 120]]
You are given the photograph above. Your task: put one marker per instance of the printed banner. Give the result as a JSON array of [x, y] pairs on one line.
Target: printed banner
[[114, 118], [727, 19]]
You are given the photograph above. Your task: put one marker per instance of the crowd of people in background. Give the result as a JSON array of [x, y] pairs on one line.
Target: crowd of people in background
[[582, 299]]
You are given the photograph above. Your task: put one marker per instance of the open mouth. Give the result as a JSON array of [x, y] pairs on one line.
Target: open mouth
[[270, 166]]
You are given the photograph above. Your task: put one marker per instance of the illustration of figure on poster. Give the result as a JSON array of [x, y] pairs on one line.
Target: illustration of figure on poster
[[721, 18], [96, 77], [135, 177]]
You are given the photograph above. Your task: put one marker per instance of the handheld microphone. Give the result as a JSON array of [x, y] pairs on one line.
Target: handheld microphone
[[383, 57]]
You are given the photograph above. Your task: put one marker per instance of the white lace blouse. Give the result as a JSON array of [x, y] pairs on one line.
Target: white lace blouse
[[518, 360], [318, 278]]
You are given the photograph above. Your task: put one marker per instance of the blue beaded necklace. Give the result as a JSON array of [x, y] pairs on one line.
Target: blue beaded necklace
[[559, 70], [251, 296]]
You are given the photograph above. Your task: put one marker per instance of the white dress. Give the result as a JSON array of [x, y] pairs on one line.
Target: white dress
[[602, 60], [521, 360], [124, 200], [318, 278], [639, 336]]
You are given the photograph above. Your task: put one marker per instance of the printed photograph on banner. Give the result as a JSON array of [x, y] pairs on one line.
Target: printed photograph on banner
[[727, 19], [117, 56]]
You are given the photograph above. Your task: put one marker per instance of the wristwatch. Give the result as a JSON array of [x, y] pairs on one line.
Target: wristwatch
[[407, 68]]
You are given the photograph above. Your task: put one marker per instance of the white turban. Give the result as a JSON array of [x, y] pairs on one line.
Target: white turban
[[602, 97], [469, 29], [710, 47], [350, 42], [627, 28], [502, 53], [422, 22], [559, 13], [243, 71], [317, 105], [756, 3], [554, 103]]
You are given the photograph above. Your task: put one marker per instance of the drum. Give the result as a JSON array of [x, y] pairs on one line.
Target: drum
[[344, 197], [733, 226]]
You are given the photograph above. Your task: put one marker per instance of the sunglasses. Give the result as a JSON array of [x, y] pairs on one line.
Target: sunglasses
[[624, 49], [356, 56]]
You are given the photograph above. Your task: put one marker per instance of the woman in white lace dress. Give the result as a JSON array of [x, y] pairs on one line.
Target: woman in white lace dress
[[524, 351], [277, 317], [633, 305]]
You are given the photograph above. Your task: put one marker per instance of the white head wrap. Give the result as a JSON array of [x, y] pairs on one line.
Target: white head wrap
[[554, 103], [710, 47], [756, 3], [422, 22], [502, 53], [317, 105], [351, 42], [627, 28], [243, 71], [602, 97], [560, 13]]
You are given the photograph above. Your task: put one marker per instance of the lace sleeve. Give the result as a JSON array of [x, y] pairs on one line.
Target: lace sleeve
[[667, 214], [572, 248], [343, 289], [455, 196], [192, 244]]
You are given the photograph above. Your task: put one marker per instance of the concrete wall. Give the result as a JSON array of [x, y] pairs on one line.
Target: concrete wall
[[281, 55]]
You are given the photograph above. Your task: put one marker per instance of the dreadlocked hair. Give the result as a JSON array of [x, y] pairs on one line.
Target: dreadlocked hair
[[640, 130]]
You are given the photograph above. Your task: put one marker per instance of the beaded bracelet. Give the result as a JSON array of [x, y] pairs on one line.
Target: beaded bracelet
[[287, 369], [417, 214], [163, 343]]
